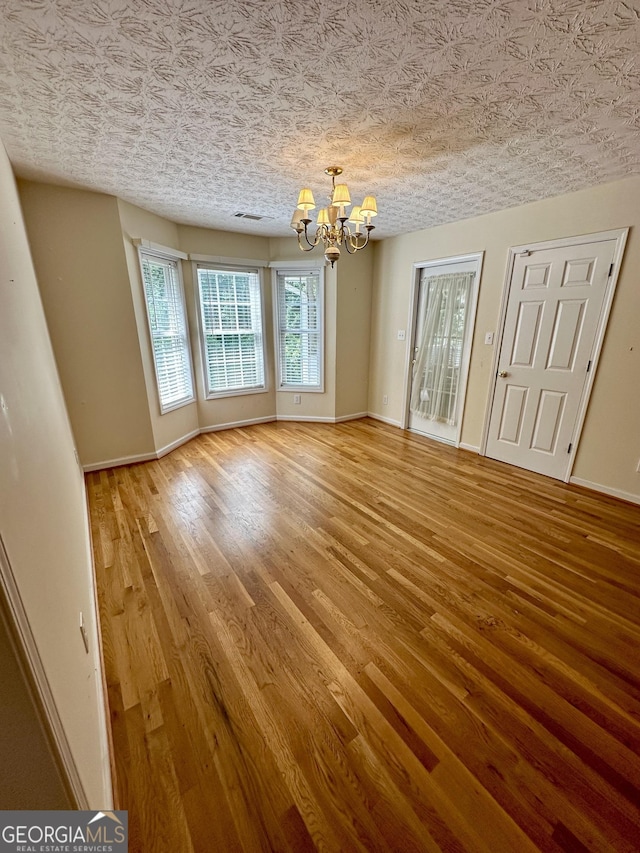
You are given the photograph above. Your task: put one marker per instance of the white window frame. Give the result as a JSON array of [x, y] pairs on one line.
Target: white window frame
[[156, 253], [299, 269], [220, 266]]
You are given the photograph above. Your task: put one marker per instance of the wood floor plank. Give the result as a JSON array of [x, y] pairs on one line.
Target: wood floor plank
[[349, 638]]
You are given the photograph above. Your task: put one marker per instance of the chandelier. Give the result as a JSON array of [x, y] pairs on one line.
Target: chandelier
[[331, 228]]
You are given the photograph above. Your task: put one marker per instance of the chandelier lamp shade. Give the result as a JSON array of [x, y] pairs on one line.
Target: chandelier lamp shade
[[336, 228]]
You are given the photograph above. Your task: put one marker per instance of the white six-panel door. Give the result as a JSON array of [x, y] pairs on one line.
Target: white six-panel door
[[555, 303]]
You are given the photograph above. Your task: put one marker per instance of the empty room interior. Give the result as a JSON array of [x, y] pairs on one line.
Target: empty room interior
[[320, 422]]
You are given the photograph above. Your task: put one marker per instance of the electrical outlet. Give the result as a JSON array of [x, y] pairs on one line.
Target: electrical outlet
[[297, 399], [488, 338], [385, 400], [402, 334]]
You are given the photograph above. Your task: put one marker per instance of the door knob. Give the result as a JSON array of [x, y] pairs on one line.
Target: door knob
[[503, 374]]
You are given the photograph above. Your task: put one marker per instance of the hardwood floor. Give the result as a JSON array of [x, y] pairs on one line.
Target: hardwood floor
[[349, 638]]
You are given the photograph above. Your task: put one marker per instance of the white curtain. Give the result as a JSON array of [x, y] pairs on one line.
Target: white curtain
[[436, 374]]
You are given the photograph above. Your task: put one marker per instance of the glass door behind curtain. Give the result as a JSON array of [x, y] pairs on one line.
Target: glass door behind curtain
[[442, 342]]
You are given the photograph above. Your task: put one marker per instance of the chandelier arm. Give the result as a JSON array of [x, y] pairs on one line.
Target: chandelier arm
[[311, 244], [342, 232], [308, 248], [353, 241]]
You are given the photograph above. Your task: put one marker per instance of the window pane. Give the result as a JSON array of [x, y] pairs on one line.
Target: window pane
[[242, 288], [168, 329], [244, 316], [231, 314], [299, 329]]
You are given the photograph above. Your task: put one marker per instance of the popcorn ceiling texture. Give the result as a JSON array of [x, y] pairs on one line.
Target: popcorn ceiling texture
[[444, 109]]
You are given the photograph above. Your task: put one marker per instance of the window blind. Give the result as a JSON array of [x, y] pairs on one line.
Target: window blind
[[300, 342], [231, 321], [168, 329]]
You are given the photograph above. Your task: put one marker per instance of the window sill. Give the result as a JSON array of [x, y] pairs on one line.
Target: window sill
[[301, 389], [171, 407], [238, 392]]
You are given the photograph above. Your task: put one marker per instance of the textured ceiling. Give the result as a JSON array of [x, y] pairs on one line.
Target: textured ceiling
[[444, 109]]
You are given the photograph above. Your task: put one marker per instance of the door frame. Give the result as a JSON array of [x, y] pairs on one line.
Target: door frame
[[478, 257], [620, 236], [14, 615]]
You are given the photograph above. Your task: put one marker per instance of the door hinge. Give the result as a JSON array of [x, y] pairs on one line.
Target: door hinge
[[589, 365], [569, 448], [611, 270]]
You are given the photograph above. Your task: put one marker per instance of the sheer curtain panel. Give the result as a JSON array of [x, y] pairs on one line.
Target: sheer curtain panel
[[436, 374]]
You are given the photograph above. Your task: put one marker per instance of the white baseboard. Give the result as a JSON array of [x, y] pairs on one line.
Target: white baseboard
[[289, 418], [106, 738], [311, 419], [607, 490], [182, 440], [355, 417], [163, 451], [149, 457], [389, 421], [305, 419], [123, 460], [140, 457], [236, 424]]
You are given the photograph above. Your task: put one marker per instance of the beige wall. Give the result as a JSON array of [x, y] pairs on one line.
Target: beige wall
[[224, 244], [353, 324], [610, 445], [169, 427], [76, 242], [43, 519]]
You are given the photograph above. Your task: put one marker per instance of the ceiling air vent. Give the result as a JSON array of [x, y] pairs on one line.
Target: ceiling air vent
[[253, 216]]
